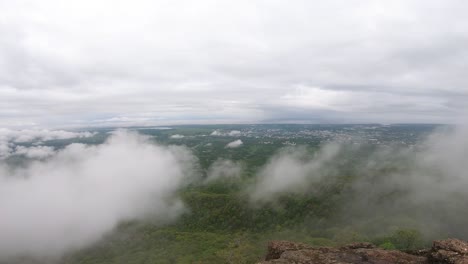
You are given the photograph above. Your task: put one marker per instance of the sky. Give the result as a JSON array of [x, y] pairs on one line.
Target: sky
[[122, 63]]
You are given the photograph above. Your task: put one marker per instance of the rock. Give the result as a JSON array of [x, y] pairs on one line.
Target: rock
[[452, 251], [359, 245], [289, 252], [449, 251], [388, 256], [276, 248]]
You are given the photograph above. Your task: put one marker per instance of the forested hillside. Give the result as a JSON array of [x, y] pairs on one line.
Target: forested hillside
[[346, 198]]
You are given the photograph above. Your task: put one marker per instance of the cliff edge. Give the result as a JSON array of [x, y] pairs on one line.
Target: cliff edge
[[449, 251]]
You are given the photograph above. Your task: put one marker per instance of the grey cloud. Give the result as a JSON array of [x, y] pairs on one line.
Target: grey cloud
[[211, 61]]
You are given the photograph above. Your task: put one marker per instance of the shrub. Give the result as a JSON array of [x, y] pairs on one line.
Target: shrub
[[387, 245], [406, 239]]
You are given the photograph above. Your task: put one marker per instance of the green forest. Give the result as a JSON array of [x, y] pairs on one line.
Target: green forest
[[221, 224]]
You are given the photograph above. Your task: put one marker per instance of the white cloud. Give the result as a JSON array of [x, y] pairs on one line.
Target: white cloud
[[76, 196], [29, 135], [9, 138], [234, 133], [235, 144], [177, 136], [216, 133], [36, 152]]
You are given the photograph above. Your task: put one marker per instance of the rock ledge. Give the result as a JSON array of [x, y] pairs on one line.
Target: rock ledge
[[449, 251]]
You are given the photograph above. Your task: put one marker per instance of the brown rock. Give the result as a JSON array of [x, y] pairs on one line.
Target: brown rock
[[288, 252], [276, 248], [359, 245], [388, 256], [449, 251]]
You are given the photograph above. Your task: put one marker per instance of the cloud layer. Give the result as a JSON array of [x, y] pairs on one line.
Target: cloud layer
[[76, 196], [222, 61]]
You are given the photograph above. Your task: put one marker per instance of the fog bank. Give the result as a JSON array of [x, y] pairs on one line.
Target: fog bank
[[224, 169], [76, 196], [291, 170], [383, 188]]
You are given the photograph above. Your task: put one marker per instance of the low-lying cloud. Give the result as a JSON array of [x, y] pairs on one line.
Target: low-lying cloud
[[35, 152], [82, 192], [291, 170], [235, 144], [425, 188], [384, 187], [9, 138], [177, 136], [67, 199], [232, 133], [224, 169], [28, 135]]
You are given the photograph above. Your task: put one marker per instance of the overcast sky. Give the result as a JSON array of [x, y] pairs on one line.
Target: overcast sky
[[110, 62]]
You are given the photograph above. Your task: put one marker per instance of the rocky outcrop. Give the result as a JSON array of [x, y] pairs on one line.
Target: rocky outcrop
[[450, 251], [276, 248]]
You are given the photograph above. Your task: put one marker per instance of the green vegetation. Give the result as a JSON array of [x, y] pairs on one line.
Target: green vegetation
[[222, 225]]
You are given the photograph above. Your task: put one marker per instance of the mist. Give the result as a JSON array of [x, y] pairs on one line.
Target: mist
[[79, 194], [65, 200], [224, 169], [422, 187], [291, 170]]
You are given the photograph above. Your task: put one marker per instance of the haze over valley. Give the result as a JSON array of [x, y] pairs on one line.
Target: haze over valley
[[206, 131]]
